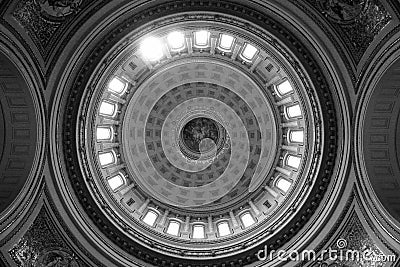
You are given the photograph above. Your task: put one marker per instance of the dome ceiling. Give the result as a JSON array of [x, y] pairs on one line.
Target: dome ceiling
[[380, 148], [18, 133], [197, 133], [199, 136]]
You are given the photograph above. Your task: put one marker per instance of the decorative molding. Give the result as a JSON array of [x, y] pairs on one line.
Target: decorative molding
[[334, 229], [369, 220], [16, 228], [345, 47], [46, 21], [320, 21], [42, 245], [40, 28], [61, 223], [27, 56], [355, 237], [356, 22]]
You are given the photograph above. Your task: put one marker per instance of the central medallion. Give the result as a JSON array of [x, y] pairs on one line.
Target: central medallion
[[200, 134]]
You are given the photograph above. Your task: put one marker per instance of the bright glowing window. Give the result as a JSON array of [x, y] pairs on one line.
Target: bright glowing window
[[116, 181], [249, 52], [201, 38], [198, 231], [150, 218], [284, 87], [226, 42], [283, 184], [293, 161], [223, 229], [116, 85], [247, 219], [106, 158], [103, 133], [176, 40], [294, 111], [296, 136], [152, 49], [107, 108], [173, 228]]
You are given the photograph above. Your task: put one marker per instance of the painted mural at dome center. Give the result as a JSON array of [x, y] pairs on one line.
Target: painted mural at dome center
[[196, 130]]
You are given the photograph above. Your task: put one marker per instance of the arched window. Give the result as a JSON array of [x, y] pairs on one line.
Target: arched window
[[150, 218], [173, 227], [293, 111], [116, 85], [152, 49], [249, 52], [284, 88], [198, 231], [107, 108], [201, 38], [283, 184], [116, 181], [247, 219], [226, 42], [104, 133], [296, 136], [293, 161], [223, 229], [107, 158], [176, 41]]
